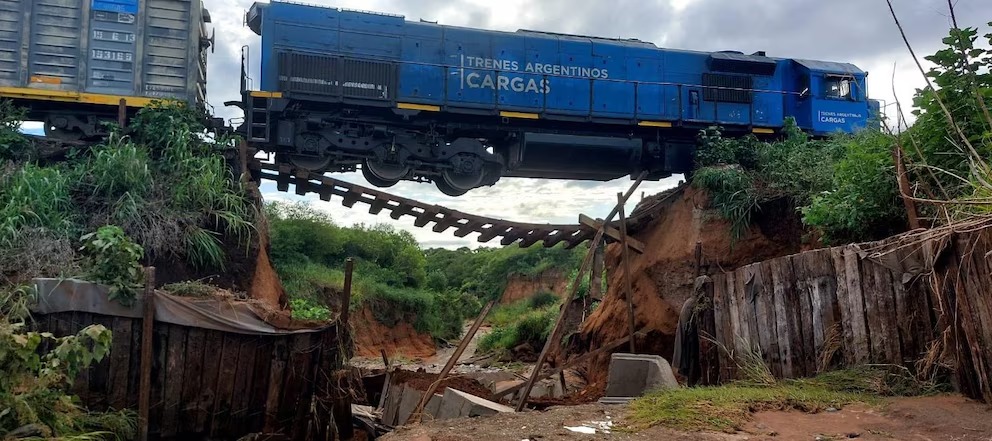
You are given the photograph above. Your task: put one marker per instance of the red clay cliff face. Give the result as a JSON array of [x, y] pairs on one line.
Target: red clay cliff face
[[662, 277], [400, 340], [520, 287]]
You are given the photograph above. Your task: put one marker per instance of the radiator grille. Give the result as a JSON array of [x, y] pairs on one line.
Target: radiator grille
[[727, 88], [335, 76]]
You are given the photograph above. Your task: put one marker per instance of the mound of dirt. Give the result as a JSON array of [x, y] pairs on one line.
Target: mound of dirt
[[422, 381], [400, 340], [662, 277], [519, 287]]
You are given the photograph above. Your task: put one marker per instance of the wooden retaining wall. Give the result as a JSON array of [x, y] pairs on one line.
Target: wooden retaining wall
[[886, 302], [208, 383]]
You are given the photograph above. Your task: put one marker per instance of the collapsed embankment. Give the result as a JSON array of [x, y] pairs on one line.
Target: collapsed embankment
[[663, 276], [401, 340], [521, 287]]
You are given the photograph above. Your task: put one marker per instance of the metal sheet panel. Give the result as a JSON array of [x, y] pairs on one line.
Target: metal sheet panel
[[112, 52], [54, 49], [11, 38], [167, 31]]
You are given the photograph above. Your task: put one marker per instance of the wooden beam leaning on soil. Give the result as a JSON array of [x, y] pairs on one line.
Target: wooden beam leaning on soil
[[418, 411], [612, 232]]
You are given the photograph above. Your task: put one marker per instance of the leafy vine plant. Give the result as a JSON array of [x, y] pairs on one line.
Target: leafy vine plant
[[113, 259]]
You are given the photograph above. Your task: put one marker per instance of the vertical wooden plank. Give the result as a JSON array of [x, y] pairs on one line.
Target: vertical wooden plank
[[843, 302], [147, 354], [887, 303], [709, 353], [308, 359], [735, 338], [99, 373], [241, 399], [277, 377], [192, 410], [748, 340], [213, 349], [721, 322], [78, 321], [978, 291], [764, 307], [175, 364], [134, 365], [160, 334], [876, 331], [856, 307], [808, 325], [969, 320], [260, 383], [225, 384], [782, 283], [906, 323], [823, 301], [120, 363]]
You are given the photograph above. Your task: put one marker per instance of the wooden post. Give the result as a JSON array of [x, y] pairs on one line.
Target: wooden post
[[911, 213], [629, 292], [349, 268], [557, 329], [418, 412], [385, 359], [122, 113], [145, 385]]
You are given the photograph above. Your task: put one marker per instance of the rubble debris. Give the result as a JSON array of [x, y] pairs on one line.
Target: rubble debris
[[458, 404], [631, 375]]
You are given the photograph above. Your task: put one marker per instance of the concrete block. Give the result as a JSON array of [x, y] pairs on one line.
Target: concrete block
[[402, 401], [458, 404], [631, 375]]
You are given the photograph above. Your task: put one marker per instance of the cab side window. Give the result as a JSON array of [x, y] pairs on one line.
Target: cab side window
[[838, 87]]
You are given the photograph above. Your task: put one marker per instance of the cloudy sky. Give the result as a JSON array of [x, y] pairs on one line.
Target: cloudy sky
[[857, 31]]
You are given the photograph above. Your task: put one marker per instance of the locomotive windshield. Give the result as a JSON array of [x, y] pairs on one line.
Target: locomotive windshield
[[839, 87]]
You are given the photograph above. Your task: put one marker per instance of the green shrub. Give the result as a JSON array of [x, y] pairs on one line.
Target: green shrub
[[112, 259], [864, 201], [517, 324], [543, 299]]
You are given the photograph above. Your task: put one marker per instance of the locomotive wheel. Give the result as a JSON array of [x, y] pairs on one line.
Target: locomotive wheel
[[383, 174], [62, 134], [311, 163], [375, 180], [447, 189]]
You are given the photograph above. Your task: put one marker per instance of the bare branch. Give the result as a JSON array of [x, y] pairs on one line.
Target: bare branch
[[940, 102]]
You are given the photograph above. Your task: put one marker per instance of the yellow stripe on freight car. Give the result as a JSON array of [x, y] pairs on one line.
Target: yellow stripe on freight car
[[264, 94], [412, 106], [521, 115], [654, 124], [73, 97], [763, 130]]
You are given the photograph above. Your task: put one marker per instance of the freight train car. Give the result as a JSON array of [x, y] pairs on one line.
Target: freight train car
[[415, 100], [71, 62]]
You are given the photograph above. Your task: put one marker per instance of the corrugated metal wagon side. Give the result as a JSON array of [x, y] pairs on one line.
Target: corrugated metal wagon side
[[71, 62]]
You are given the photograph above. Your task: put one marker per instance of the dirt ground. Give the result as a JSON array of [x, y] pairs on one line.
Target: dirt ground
[[930, 418]]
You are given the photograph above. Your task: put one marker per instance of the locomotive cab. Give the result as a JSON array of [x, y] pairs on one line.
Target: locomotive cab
[[830, 97]]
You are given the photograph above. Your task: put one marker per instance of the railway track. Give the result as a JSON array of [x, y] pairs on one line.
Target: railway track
[[442, 218]]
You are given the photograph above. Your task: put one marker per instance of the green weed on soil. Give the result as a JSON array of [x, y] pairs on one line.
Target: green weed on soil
[[727, 408]]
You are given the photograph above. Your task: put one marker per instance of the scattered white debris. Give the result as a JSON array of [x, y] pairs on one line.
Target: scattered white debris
[[582, 429], [592, 426]]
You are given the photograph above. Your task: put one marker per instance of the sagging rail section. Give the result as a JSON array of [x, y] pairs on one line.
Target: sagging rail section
[[443, 218]]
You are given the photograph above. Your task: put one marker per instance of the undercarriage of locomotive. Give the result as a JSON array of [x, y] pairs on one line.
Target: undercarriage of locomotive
[[386, 155]]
